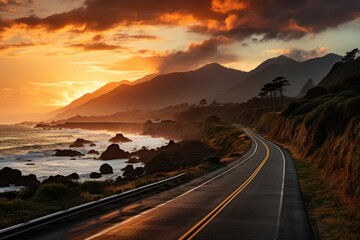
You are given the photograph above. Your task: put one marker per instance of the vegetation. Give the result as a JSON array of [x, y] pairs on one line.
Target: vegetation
[[323, 127], [274, 92], [329, 217]]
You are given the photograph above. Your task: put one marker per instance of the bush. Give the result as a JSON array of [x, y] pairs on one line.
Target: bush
[[56, 191], [9, 195], [27, 193], [93, 187], [212, 159]]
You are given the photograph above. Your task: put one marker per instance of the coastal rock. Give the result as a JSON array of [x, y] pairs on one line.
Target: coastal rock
[[9, 176], [67, 153], [95, 175], [29, 181], [131, 173], [106, 169], [73, 176], [139, 171], [128, 168], [57, 179], [144, 154], [177, 155], [119, 138], [133, 160], [80, 142], [92, 151], [114, 152]]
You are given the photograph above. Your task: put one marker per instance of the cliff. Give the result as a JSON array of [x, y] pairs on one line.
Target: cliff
[[325, 129]]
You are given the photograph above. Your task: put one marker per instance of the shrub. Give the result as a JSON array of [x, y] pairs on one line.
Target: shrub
[[212, 159], [56, 191], [93, 187]]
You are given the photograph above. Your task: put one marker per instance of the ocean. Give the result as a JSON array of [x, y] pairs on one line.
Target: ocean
[[30, 150]]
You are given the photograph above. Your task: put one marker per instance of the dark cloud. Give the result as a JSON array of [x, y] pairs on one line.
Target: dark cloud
[[238, 19], [302, 55], [196, 55], [97, 46], [124, 36]]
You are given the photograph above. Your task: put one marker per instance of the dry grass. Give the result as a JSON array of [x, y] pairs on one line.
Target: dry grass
[[331, 218]]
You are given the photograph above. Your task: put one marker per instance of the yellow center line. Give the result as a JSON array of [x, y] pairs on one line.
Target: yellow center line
[[203, 222]]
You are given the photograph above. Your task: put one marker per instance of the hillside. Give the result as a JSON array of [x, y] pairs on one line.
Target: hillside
[[324, 127], [207, 82], [296, 72]]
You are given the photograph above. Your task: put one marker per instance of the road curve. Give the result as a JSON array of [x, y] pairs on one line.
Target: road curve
[[255, 197]]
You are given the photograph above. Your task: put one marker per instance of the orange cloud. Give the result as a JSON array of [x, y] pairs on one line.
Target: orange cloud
[[225, 6], [300, 54], [196, 55]]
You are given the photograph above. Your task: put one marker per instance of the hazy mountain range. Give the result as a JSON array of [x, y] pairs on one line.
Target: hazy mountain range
[[212, 82]]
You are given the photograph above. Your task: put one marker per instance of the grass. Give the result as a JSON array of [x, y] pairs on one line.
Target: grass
[[331, 219]]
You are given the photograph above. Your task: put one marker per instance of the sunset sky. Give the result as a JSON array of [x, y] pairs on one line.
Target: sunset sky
[[54, 51]]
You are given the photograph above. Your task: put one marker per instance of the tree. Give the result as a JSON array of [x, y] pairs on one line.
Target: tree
[[280, 85], [203, 102], [351, 56], [274, 92]]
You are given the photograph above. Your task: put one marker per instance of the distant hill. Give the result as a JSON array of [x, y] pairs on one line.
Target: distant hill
[[296, 72], [104, 89], [339, 72], [209, 82], [307, 86]]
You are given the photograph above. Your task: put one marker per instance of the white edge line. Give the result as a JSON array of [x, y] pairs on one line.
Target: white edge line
[[187, 192], [281, 195]]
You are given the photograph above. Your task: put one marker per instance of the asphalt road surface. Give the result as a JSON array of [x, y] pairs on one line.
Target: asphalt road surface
[[254, 197]]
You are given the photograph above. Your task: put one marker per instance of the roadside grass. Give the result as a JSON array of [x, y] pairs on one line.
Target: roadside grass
[[330, 218]]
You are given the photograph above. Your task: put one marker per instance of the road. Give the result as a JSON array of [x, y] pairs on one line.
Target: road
[[254, 197]]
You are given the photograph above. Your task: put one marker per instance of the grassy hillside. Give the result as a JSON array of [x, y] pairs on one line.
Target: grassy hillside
[[324, 127]]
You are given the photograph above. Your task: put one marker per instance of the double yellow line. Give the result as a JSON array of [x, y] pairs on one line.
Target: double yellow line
[[207, 219]]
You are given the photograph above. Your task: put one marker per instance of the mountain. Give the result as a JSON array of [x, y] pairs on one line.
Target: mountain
[[296, 72], [339, 72], [307, 86], [209, 82], [104, 89], [87, 97]]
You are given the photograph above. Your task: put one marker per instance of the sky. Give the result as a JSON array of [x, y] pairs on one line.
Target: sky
[[54, 51]]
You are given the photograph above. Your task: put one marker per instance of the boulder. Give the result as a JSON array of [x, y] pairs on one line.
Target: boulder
[[9, 176], [95, 175], [80, 142], [67, 153], [57, 179], [114, 152], [73, 176], [131, 173], [92, 151], [29, 181], [139, 171], [128, 168], [106, 169], [133, 160], [119, 138]]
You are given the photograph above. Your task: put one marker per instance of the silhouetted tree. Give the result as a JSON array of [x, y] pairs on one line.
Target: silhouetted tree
[[280, 85], [274, 92], [203, 102], [351, 56]]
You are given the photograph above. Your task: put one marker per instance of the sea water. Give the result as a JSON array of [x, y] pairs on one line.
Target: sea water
[[31, 150]]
